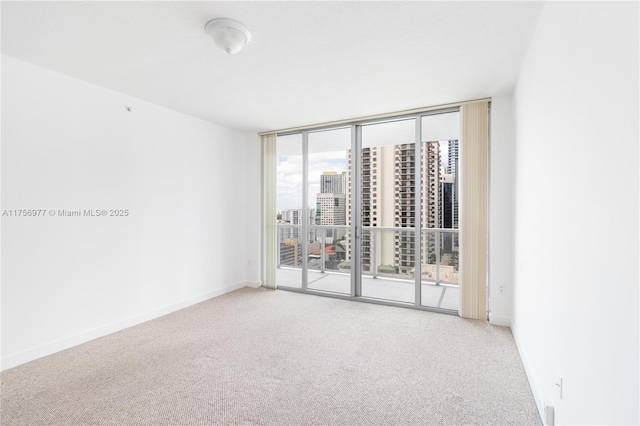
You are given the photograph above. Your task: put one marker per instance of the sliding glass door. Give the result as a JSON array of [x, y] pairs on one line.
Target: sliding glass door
[[439, 197], [328, 177], [370, 211], [289, 200], [388, 215]]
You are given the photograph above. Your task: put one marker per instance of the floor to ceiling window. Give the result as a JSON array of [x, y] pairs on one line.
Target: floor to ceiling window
[[388, 210], [290, 240], [369, 210], [328, 175]]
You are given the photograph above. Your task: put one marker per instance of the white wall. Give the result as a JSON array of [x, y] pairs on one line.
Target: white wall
[[501, 151], [576, 212], [67, 144]]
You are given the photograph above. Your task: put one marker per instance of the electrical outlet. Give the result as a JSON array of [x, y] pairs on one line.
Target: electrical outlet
[[549, 415], [559, 386]]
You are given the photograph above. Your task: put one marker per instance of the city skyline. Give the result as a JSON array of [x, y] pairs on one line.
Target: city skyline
[[289, 175], [388, 204]]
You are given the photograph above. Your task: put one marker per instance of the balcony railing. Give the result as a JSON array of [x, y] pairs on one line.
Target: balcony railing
[[387, 252]]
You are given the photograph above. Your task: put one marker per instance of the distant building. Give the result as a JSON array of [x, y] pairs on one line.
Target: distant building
[[330, 209], [294, 217], [447, 187], [389, 200], [452, 168], [333, 183], [446, 200], [331, 204], [290, 252]]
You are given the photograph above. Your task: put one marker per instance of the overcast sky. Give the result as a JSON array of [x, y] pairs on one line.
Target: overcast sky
[[328, 151], [289, 175]]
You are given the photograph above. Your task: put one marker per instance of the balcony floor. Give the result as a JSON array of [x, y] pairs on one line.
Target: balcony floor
[[444, 297]]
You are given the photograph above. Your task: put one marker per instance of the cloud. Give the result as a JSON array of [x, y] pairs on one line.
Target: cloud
[[289, 177]]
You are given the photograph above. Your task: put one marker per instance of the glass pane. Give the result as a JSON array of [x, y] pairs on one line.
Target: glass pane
[[449, 249], [439, 198], [289, 205], [328, 239], [440, 127], [388, 210], [329, 268]]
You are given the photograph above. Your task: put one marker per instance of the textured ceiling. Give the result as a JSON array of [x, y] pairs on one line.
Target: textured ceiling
[[308, 62]]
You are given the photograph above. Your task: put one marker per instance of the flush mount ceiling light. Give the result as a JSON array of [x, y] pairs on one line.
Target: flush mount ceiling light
[[230, 35]]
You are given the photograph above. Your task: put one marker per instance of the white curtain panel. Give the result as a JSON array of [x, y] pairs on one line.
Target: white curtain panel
[[269, 214], [474, 119]]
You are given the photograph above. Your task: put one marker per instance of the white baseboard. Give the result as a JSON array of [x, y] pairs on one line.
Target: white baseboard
[[537, 395], [503, 321], [254, 284], [66, 343]]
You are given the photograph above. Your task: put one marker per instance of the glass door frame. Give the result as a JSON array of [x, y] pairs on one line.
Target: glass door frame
[[356, 227]]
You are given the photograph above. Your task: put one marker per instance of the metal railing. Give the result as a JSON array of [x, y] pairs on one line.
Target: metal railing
[[437, 244]]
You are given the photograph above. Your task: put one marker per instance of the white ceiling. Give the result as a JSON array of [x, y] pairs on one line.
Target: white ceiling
[[308, 62]]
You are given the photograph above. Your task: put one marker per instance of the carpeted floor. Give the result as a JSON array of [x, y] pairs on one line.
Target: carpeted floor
[[261, 357]]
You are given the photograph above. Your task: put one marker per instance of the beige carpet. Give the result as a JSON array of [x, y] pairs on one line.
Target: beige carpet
[[260, 357]]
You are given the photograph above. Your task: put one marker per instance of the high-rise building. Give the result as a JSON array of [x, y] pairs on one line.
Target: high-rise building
[[389, 200], [447, 186], [333, 183], [330, 209], [452, 157], [452, 168], [431, 184], [294, 217], [446, 200], [331, 203], [379, 194], [291, 216], [290, 252]]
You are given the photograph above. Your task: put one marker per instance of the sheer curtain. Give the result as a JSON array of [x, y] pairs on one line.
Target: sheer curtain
[[269, 212], [474, 120]]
